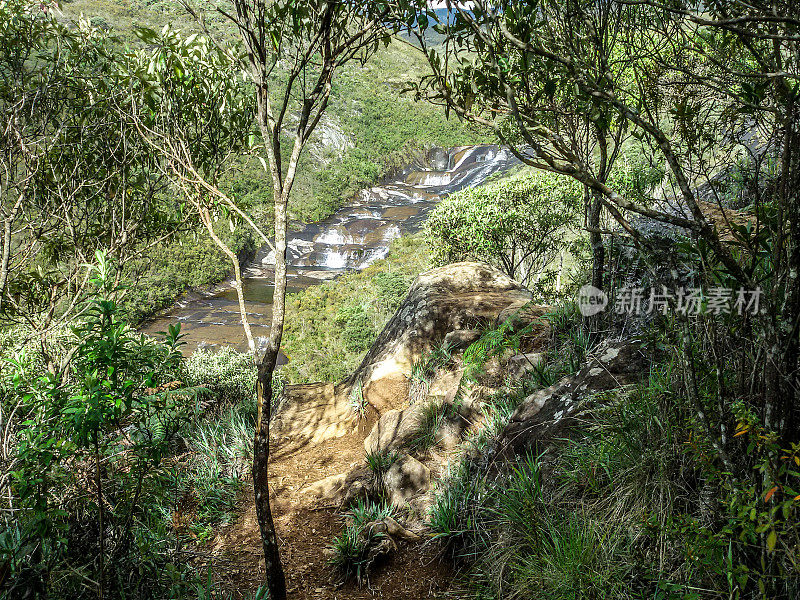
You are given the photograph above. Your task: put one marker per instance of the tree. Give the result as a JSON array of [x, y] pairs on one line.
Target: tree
[[193, 107], [74, 178], [519, 225], [688, 81], [485, 76], [697, 87], [292, 52]]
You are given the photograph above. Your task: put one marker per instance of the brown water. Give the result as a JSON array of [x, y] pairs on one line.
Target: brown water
[[350, 239]]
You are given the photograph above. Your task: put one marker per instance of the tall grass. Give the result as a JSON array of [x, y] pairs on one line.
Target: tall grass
[[588, 519], [352, 551]]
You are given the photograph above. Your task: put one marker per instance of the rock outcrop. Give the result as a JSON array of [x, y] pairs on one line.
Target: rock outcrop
[[406, 479], [546, 414], [394, 430], [461, 297], [418, 427], [313, 413]]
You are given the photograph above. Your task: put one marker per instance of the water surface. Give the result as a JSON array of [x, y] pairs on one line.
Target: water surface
[[350, 239]]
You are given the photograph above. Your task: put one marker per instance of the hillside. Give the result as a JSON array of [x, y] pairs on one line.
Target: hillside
[[370, 128], [563, 364]]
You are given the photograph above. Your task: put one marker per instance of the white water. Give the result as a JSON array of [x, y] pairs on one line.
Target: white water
[[354, 237]]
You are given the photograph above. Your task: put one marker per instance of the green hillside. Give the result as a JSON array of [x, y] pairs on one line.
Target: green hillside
[[370, 126]]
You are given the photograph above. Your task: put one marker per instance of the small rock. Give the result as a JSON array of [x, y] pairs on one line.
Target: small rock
[[460, 339], [520, 365], [405, 479]]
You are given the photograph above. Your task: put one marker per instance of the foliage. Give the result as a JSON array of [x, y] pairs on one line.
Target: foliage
[[634, 504], [367, 102], [357, 331], [318, 347], [518, 224], [352, 549], [229, 375], [494, 342], [358, 403], [432, 419], [76, 176], [88, 453], [379, 462], [365, 512], [424, 369], [455, 513]]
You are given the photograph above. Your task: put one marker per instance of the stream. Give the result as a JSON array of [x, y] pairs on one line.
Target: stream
[[353, 237]]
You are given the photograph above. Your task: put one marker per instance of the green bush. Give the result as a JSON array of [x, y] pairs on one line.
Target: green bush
[[433, 418], [228, 374], [518, 224], [357, 330], [89, 448]]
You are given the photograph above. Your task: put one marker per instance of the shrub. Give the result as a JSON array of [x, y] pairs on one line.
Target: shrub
[[433, 417], [353, 550], [458, 516], [357, 331], [349, 554], [228, 374], [89, 450], [365, 512], [518, 224], [379, 462]]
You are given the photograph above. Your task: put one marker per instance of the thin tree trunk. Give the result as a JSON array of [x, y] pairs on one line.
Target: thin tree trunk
[[101, 575], [788, 342], [237, 274], [276, 581], [596, 241], [595, 322], [6, 254]]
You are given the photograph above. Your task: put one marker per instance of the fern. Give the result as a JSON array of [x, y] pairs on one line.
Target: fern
[[493, 342]]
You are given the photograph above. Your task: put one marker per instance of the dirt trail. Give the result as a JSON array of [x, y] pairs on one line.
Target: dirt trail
[[305, 527]]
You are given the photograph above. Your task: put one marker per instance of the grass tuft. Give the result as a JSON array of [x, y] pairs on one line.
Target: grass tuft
[[352, 550]]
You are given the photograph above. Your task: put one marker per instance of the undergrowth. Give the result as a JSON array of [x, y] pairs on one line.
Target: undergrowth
[[352, 551]]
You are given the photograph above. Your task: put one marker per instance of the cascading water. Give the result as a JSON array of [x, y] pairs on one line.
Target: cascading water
[[353, 237]]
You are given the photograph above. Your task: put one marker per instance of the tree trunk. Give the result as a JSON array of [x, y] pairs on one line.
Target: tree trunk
[[596, 241], [237, 273], [5, 258], [595, 322], [782, 372], [276, 581], [99, 481]]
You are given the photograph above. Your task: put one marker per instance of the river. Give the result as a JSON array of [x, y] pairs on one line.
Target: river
[[353, 237]]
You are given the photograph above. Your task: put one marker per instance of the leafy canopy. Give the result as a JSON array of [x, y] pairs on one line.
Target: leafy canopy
[[518, 224]]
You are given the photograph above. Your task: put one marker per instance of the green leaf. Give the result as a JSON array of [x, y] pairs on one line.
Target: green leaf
[[772, 539]]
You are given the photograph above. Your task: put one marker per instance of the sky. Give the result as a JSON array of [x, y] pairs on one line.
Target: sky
[[437, 4]]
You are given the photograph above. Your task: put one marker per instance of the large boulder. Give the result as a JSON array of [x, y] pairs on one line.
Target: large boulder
[[546, 414], [311, 414], [456, 297], [342, 489], [395, 429]]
